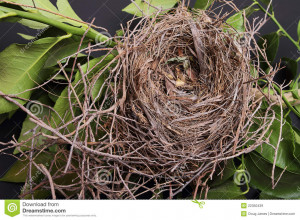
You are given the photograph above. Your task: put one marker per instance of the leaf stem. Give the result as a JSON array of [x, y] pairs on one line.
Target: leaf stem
[[286, 101], [35, 16], [42, 9], [272, 16]]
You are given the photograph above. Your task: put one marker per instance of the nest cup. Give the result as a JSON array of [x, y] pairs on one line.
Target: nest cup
[[186, 98]]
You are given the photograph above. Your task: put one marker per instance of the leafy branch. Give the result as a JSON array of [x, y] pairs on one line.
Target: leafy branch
[[281, 29], [34, 15]]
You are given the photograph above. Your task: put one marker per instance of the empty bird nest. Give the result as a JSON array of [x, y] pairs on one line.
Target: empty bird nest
[[187, 99], [178, 104]]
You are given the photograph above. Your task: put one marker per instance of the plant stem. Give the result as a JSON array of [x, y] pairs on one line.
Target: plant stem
[[42, 9], [272, 16], [286, 101], [91, 34]]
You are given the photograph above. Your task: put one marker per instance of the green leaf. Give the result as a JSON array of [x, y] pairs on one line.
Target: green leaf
[[297, 144], [267, 3], [292, 66], [250, 10], [18, 172], [27, 129], [26, 37], [98, 91], [260, 172], [60, 78], [65, 8], [4, 16], [270, 43], [21, 71], [38, 194], [45, 4], [120, 33], [64, 49], [62, 178], [203, 4], [253, 71], [62, 104], [149, 10], [236, 22], [227, 173], [11, 17], [33, 24], [228, 190], [285, 154], [298, 31], [55, 92]]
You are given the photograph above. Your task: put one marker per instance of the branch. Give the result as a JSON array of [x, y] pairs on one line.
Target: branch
[[42, 9], [92, 34]]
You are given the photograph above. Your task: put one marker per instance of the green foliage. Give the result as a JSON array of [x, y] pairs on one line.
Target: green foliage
[[223, 175], [261, 171], [26, 36], [18, 172], [236, 22], [203, 4], [28, 126], [21, 71], [64, 49], [286, 145], [228, 190], [65, 8], [267, 3], [62, 104], [292, 67], [298, 31], [141, 7], [23, 67]]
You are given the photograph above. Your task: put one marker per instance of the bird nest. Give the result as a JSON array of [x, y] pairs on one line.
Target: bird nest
[[187, 99], [176, 103]]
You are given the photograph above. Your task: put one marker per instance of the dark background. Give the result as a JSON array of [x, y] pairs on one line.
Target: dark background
[[108, 14]]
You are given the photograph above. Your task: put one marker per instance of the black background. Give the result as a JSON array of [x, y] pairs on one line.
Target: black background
[[108, 14]]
